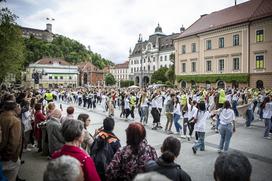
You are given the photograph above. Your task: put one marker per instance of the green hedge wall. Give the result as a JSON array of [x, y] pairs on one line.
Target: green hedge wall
[[202, 78], [126, 83]]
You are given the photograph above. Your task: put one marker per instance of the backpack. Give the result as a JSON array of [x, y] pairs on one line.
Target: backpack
[[102, 153]]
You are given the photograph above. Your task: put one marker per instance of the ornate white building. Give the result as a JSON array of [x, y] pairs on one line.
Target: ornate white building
[[150, 55]]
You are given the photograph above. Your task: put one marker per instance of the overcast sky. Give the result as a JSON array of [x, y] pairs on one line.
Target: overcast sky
[[111, 27]]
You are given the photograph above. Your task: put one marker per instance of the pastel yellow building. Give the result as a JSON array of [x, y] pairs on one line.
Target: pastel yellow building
[[230, 47]]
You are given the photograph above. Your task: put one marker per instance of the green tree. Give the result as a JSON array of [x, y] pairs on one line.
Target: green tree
[[159, 75], [11, 45], [126, 83], [109, 79], [170, 74]]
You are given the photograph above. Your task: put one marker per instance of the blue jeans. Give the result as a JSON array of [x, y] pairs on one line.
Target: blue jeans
[[234, 107], [217, 122], [144, 114], [226, 133], [249, 117], [267, 123], [177, 125], [200, 142]]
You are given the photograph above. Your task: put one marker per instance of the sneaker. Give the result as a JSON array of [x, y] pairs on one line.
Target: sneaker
[[219, 151], [216, 131], [154, 128], [267, 137], [183, 136], [177, 133], [194, 150], [170, 132], [189, 138]]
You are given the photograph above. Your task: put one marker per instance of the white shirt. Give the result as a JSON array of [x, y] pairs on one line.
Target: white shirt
[[126, 104], [145, 103], [202, 118], [226, 116], [177, 109], [192, 113], [159, 102], [267, 111]]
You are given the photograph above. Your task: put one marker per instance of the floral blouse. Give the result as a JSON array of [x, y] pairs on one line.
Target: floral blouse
[[125, 165]]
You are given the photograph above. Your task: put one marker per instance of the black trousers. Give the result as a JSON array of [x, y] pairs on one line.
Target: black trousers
[[156, 115]]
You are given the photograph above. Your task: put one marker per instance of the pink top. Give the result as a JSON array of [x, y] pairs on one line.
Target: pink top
[[87, 164]]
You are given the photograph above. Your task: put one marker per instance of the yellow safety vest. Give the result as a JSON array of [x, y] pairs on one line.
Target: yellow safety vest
[[48, 96]]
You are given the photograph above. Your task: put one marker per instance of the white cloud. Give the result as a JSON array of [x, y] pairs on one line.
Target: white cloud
[[111, 27]]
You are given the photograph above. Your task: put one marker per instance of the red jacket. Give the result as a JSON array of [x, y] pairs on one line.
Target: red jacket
[[39, 117], [87, 164]]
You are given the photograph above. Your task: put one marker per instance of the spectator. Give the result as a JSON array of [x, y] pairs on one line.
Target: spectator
[[53, 126], [151, 176], [266, 106], [64, 168], [165, 165], [70, 114], [39, 117], [11, 142], [233, 166], [104, 147], [73, 134], [131, 160], [88, 138]]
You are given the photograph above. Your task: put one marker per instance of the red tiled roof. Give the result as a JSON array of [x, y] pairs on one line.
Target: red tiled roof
[[122, 65], [245, 12], [48, 61]]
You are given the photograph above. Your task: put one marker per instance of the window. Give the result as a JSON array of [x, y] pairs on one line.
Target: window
[[183, 49], [56, 77], [221, 42], [144, 60], [61, 77], [193, 66], [221, 65], [235, 40], [183, 67], [259, 61], [259, 35], [209, 66], [50, 77], [153, 67], [134, 69], [209, 44], [131, 70], [154, 59], [131, 62], [70, 77], [193, 47], [160, 58], [165, 58], [160, 66], [236, 64], [137, 69]]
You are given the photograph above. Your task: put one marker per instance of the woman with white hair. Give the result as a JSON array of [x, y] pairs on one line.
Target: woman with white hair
[[53, 125], [64, 168]]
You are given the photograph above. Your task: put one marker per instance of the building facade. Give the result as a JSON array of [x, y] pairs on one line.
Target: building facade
[[120, 71], [51, 73], [230, 47], [90, 75], [46, 34], [150, 55]]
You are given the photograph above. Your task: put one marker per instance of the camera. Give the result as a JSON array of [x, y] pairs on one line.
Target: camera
[[41, 124]]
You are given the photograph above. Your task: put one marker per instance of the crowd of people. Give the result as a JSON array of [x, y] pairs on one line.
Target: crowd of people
[[32, 118]]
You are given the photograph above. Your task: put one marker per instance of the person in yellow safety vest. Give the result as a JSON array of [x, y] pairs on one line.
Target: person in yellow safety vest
[[48, 96], [183, 100], [222, 96], [132, 102]]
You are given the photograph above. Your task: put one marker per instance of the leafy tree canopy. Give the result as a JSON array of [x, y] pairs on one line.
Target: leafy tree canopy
[[11, 46], [159, 75], [109, 79], [62, 47]]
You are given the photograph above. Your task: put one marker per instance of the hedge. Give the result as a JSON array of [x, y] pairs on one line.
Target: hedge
[[202, 78], [126, 83]]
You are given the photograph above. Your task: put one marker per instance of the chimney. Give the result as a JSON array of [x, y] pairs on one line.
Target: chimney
[[182, 29], [201, 16], [49, 27]]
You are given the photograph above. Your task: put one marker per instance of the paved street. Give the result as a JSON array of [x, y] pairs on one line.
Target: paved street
[[199, 167]]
